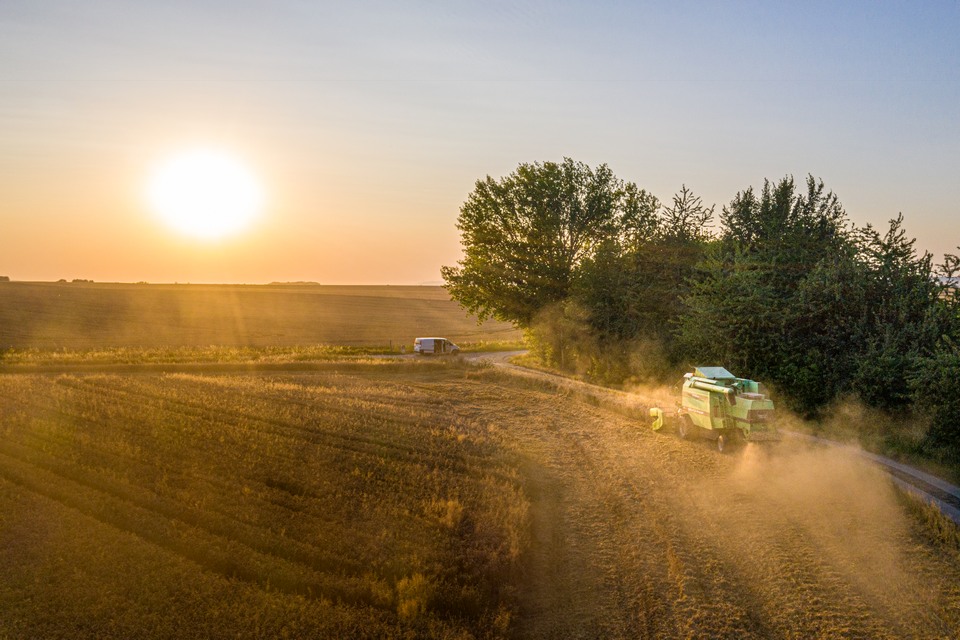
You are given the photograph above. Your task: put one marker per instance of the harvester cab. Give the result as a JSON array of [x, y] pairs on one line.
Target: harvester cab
[[717, 405]]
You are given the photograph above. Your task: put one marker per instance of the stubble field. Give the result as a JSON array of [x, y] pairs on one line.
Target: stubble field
[[352, 502], [432, 499]]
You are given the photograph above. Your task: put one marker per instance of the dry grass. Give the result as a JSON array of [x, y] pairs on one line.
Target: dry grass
[[642, 535], [941, 530], [287, 356]]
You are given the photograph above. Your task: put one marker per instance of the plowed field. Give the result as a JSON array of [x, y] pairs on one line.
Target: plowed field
[[432, 499]]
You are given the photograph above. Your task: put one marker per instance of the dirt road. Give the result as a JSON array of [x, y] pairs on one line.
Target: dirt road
[[642, 535]]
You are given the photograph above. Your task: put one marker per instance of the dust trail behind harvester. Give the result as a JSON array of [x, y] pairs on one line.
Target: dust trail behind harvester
[[846, 508], [814, 539]]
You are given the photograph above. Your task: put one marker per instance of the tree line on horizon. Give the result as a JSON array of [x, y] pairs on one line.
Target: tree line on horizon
[[780, 286]]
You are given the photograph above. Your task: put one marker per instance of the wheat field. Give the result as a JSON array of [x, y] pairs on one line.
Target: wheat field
[[197, 462], [432, 498], [89, 316], [352, 502]]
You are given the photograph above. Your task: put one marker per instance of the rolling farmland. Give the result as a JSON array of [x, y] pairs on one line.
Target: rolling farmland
[[184, 472], [434, 498], [94, 316]]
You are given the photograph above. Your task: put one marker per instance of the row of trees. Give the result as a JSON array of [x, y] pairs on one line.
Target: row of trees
[[611, 282]]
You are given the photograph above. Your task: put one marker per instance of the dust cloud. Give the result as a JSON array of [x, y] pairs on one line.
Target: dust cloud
[[844, 509], [672, 539], [815, 525]]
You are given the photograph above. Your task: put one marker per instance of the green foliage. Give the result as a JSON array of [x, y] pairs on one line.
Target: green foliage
[[825, 328], [688, 220], [633, 290], [560, 335], [902, 321], [568, 249], [934, 392], [730, 307], [788, 291], [748, 306], [793, 295], [609, 288], [785, 226], [627, 294], [526, 235]]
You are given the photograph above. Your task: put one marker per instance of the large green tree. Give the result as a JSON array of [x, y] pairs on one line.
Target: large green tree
[[763, 301], [794, 295], [632, 287], [630, 290], [903, 319], [933, 378], [525, 235]]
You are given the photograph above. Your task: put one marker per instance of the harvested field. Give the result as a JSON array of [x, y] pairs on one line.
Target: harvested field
[[94, 316], [436, 499], [335, 504]]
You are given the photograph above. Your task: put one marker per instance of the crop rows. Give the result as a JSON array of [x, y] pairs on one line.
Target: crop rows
[[432, 499], [368, 497]]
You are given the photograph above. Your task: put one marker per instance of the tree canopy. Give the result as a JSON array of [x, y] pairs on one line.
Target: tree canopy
[[787, 290], [526, 235]]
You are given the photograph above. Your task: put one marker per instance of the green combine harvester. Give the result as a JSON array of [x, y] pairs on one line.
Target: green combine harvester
[[717, 405]]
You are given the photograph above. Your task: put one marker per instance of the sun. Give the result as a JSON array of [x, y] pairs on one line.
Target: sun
[[205, 193]]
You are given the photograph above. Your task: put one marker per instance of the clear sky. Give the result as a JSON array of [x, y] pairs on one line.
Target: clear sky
[[366, 124]]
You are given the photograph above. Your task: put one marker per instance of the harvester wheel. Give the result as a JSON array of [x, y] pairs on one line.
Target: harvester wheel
[[684, 427], [721, 443]]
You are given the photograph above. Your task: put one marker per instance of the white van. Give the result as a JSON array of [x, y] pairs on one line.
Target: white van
[[434, 347]]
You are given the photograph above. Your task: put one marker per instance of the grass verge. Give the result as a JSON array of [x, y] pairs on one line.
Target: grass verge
[[216, 354]]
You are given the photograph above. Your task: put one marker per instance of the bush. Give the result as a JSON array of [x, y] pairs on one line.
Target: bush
[[561, 337], [934, 390]]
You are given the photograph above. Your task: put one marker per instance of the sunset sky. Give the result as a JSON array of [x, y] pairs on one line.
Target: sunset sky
[[366, 124]]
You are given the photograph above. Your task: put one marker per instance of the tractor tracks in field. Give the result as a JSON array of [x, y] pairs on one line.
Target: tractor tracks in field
[[183, 532], [633, 534], [82, 476], [666, 538], [925, 486], [627, 545], [587, 576]]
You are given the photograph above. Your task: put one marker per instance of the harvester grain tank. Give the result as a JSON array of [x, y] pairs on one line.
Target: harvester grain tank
[[716, 404]]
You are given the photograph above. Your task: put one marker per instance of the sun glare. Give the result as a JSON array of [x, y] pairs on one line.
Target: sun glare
[[205, 193]]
